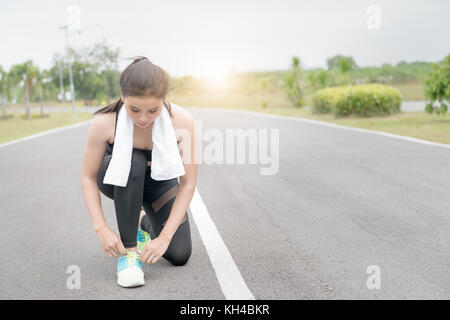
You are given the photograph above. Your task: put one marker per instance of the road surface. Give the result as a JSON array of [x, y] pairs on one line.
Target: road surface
[[341, 202]]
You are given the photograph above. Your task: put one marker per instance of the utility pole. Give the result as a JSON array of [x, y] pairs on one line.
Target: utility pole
[[73, 23], [61, 84], [69, 65]]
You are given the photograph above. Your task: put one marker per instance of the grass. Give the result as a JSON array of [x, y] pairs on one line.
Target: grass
[[16, 125], [232, 101], [411, 91], [414, 124]]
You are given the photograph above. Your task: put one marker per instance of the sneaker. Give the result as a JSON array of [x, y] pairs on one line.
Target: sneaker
[[142, 239], [129, 271]]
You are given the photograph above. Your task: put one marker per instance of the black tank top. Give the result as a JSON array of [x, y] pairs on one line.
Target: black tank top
[[110, 146]]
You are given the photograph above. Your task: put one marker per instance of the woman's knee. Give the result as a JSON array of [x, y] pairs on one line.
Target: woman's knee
[[106, 189], [180, 250], [180, 259], [138, 164]]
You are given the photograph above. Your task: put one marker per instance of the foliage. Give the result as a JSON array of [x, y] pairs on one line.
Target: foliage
[[437, 87], [361, 100], [293, 83]]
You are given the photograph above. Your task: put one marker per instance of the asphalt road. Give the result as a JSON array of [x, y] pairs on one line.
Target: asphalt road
[[341, 201]]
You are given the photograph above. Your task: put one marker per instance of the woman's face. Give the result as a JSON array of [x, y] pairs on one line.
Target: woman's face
[[143, 110]]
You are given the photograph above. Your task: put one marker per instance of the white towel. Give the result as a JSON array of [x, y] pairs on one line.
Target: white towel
[[166, 159]]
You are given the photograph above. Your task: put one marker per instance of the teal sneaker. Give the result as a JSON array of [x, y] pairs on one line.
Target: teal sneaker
[[129, 271], [142, 239]]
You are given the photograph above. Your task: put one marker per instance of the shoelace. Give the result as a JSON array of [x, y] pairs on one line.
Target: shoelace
[[142, 237], [132, 257]]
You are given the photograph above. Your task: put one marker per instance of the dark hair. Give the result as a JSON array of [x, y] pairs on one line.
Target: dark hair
[[141, 78]]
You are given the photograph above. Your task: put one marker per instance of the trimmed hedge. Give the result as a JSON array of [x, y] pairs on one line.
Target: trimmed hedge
[[362, 100]]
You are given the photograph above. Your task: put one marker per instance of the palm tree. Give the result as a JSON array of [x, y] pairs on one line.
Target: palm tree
[[25, 72], [6, 85], [293, 83], [42, 77], [3, 79], [296, 70]]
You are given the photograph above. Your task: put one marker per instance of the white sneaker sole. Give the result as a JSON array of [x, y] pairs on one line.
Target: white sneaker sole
[[131, 277]]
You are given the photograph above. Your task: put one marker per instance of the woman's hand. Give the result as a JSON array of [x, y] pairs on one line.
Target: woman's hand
[[154, 250], [110, 242]]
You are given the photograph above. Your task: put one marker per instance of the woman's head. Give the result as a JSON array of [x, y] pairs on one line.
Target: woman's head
[[143, 90]]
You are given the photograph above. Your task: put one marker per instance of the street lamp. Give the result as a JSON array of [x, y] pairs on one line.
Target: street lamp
[[69, 64], [73, 22]]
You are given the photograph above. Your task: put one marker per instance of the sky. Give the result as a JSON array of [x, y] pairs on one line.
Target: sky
[[212, 38]]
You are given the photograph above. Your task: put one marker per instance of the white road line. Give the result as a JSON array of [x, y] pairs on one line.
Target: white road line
[[40, 134], [230, 280], [338, 126]]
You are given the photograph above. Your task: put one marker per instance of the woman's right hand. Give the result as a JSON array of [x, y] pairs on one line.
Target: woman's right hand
[[110, 242]]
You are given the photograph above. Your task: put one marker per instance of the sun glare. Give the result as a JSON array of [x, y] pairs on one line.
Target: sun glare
[[216, 77]]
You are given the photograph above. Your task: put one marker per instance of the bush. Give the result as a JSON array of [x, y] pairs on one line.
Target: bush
[[325, 100], [362, 100]]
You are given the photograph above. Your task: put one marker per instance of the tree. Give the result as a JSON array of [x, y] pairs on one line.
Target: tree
[[293, 83], [342, 67], [338, 60], [25, 72], [3, 80], [58, 75], [318, 79], [6, 85], [42, 77], [437, 87], [95, 72], [106, 60]]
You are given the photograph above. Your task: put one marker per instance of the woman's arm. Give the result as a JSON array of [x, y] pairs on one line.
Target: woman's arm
[[93, 157], [188, 150], [92, 161]]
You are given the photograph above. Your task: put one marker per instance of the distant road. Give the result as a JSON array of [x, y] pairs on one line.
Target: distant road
[[413, 106]]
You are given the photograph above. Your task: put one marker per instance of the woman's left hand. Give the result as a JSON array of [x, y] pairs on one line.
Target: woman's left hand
[[154, 250]]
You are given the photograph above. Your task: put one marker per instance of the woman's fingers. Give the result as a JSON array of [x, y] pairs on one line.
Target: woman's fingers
[[155, 259], [108, 253], [121, 249], [145, 254], [151, 258], [114, 251]]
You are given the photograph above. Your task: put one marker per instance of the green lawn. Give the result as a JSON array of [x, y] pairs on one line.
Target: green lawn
[[17, 125], [411, 91]]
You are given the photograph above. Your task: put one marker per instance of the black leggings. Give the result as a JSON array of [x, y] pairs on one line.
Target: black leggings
[[155, 197]]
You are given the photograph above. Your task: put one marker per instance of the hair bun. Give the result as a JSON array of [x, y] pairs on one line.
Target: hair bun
[[139, 59]]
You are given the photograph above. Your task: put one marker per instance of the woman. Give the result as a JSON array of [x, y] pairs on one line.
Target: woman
[[162, 228]]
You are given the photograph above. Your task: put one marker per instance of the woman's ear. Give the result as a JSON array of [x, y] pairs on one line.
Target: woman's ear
[[121, 96]]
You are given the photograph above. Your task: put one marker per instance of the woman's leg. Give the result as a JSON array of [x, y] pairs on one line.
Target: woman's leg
[[127, 200], [157, 204]]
